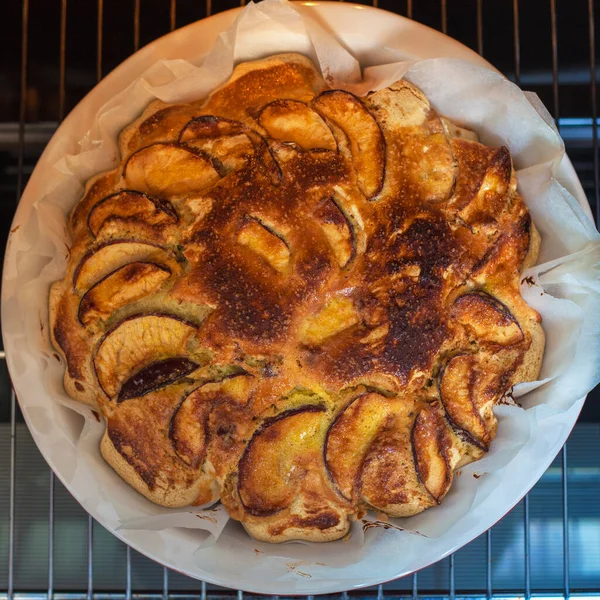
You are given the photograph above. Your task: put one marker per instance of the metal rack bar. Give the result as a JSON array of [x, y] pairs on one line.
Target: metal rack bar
[[61, 68], [128, 573], [554, 57], [51, 538], [527, 549], [444, 17], [452, 590], [480, 27], [592, 43], [172, 14], [415, 586], [13, 400], [11, 497], [488, 566], [99, 32], [90, 559], [409, 8], [517, 41], [136, 25], [565, 516]]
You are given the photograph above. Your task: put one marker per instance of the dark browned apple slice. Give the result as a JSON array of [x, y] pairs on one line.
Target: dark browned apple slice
[[155, 376], [424, 156], [232, 151], [431, 440], [468, 393], [202, 130], [137, 342], [367, 143], [278, 457], [209, 126], [294, 121], [388, 477], [263, 240], [189, 428], [338, 230], [128, 206], [350, 437], [201, 412], [169, 169], [107, 258], [491, 197], [125, 285], [159, 122], [487, 319]]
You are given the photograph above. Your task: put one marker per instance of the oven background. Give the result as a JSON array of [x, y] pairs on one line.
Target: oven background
[[52, 52]]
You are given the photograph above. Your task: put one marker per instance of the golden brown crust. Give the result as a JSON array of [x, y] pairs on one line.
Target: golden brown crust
[[298, 301]]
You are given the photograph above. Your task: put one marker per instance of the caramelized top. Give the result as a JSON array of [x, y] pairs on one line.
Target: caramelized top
[[350, 264]]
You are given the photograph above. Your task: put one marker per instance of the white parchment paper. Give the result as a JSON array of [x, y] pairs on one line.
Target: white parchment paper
[[564, 288]]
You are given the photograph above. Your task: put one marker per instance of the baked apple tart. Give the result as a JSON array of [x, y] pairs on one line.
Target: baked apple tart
[[298, 302]]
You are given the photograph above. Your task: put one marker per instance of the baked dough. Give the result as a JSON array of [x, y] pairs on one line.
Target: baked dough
[[300, 302]]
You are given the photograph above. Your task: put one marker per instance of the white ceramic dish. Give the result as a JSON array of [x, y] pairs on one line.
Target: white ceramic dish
[[361, 29]]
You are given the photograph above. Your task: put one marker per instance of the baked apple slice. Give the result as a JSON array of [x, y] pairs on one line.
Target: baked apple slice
[[424, 158], [262, 239], [279, 457], [220, 134], [365, 138], [407, 445], [490, 198], [136, 343], [338, 230], [123, 286], [192, 425], [486, 319], [110, 256], [209, 126], [432, 448], [390, 459], [336, 316], [468, 393], [130, 206], [295, 121], [350, 437], [169, 169], [156, 375]]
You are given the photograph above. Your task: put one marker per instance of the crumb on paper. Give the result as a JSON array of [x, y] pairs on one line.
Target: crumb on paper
[[15, 229], [257, 551], [207, 518], [293, 568], [370, 524], [96, 415], [477, 475], [56, 356], [529, 280]]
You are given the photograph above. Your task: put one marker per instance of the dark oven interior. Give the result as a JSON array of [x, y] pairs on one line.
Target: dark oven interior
[[53, 52]]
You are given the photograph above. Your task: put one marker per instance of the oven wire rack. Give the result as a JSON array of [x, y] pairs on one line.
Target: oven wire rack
[[580, 132]]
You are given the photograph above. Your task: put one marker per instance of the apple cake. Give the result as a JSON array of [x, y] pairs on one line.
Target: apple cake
[[299, 302]]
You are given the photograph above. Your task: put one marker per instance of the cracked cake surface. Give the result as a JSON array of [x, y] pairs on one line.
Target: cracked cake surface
[[298, 302]]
